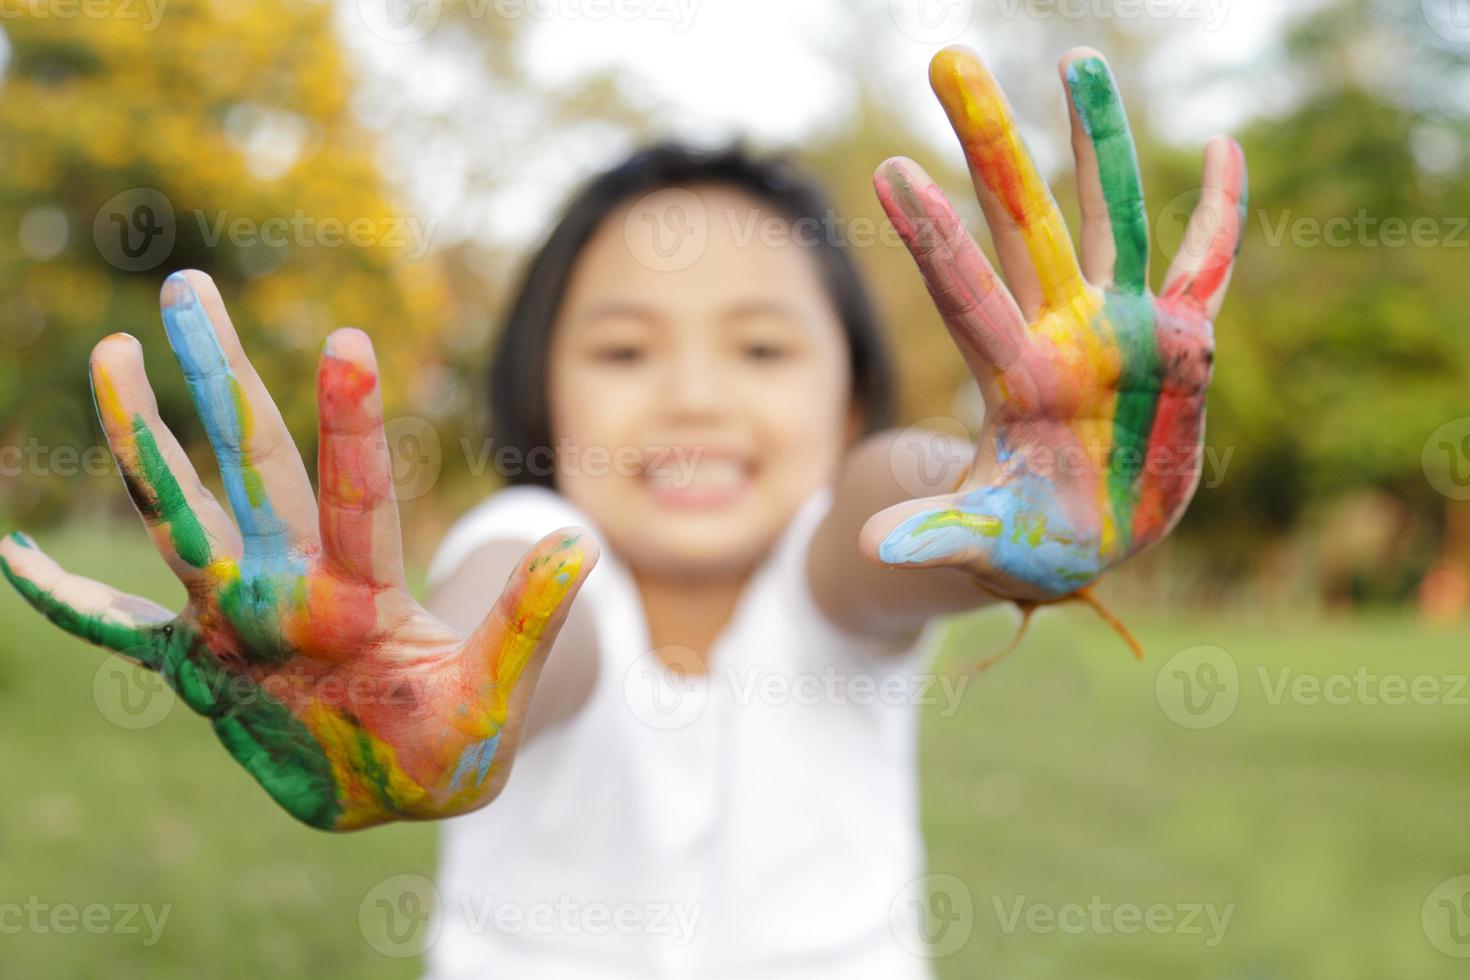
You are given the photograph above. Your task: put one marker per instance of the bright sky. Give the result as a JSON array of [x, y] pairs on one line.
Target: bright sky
[[757, 67]]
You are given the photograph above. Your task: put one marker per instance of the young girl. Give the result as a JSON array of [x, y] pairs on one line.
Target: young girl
[[716, 777]]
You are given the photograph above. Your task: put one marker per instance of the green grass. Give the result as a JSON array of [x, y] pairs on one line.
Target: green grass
[[1060, 778]]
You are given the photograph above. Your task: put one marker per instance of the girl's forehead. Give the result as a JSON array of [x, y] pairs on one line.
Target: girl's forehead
[[722, 248], [734, 310]]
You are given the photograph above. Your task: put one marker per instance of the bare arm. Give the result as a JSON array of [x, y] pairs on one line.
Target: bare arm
[[570, 672], [852, 590]]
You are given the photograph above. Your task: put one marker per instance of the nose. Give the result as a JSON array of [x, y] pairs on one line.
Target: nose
[[698, 382]]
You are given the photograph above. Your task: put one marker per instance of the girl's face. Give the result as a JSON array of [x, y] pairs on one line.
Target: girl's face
[[697, 395]]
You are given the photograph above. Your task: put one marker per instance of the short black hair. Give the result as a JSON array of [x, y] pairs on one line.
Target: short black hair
[[520, 417]]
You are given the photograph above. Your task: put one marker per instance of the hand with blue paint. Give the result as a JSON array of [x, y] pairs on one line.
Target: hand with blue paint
[[1094, 387], [349, 702]]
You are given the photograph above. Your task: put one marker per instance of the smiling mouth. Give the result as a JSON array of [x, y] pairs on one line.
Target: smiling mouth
[[697, 478]]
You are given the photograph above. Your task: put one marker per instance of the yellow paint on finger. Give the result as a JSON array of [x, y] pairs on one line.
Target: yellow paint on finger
[[249, 475], [981, 118], [548, 580], [110, 405]]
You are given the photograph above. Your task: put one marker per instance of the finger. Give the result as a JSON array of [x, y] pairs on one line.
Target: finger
[[360, 531], [1114, 221], [515, 636], [1201, 271], [1018, 533], [188, 526], [981, 316], [1030, 236], [83, 607], [264, 477]]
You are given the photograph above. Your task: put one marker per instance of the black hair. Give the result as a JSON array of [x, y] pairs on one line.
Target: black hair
[[520, 417]]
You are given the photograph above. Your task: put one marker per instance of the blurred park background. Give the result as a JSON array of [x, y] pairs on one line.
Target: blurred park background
[[389, 165]]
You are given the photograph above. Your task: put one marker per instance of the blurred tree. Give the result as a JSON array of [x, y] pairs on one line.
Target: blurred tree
[[1344, 343], [214, 136], [486, 139], [1338, 355]]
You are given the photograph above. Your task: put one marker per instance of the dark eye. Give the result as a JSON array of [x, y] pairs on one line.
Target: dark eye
[[764, 352], [622, 353]]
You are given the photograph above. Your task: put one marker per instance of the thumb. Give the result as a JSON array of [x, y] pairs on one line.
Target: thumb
[[84, 607], [507, 649], [1014, 536]]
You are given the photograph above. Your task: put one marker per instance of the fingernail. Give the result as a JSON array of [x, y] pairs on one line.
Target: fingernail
[[23, 539], [348, 344], [178, 291]]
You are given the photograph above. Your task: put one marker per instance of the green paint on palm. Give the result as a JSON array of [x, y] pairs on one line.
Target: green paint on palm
[[377, 773], [280, 752], [1100, 108], [253, 607], [257, 729], [261, 733]]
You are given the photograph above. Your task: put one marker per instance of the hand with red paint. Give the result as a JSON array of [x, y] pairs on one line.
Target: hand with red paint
[[1094, 387], [348, 701]]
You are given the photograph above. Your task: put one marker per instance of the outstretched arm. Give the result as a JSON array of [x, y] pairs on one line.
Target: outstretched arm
[[863, 596]]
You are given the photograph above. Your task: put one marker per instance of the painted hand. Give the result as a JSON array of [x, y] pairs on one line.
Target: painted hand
[[1094, 388], [340, 694]]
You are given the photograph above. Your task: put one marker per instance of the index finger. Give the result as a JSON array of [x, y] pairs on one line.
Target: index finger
[[1018, 205], [263, 473]]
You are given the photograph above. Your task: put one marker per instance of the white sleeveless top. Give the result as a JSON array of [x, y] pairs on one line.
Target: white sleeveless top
[[760, 821]]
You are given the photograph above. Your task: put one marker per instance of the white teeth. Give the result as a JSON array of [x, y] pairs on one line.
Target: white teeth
[[713, 474]]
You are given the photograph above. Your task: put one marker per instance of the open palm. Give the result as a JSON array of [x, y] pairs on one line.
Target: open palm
[[348, 701], [1094, 388]]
